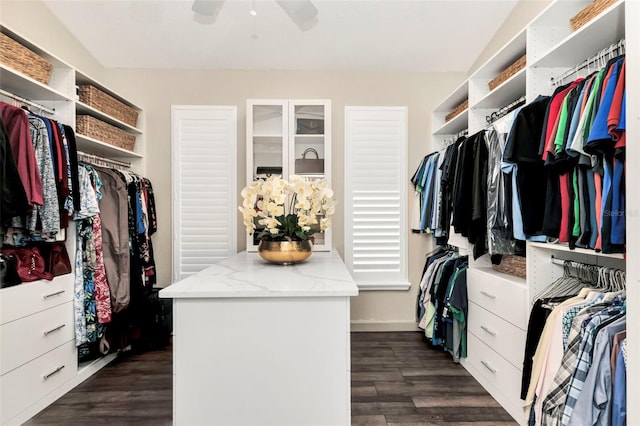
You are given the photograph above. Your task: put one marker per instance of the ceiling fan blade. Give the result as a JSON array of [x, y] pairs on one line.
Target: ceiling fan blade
[[302, 12], [206, 11]]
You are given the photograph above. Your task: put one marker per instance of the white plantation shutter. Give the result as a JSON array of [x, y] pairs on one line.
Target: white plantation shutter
[[204, 141], [376, 196]]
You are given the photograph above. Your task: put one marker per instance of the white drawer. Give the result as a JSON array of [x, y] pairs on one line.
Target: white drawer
[[26, 385], [29, 337], [28, 298], [496, 293], [505, 338], [496, 370]]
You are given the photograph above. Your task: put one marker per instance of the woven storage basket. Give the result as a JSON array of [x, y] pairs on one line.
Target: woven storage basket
[[457, 110], [508, 72], [16, 56], [512, 265], [96, 129], [101, 101], [589, 12]]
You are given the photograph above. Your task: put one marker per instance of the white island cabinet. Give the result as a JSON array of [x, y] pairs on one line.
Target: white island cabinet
[[262, 344]]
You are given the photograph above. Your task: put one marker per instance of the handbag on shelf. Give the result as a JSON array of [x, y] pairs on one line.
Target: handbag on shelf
[[56, 259], [306, 165], [8, 272], [29, 263], [309, 126]]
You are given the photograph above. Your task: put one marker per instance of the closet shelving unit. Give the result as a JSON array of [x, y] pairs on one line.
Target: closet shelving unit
[[499, 304], [36, 367]]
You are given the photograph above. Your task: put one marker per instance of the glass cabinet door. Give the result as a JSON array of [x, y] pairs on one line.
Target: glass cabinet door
[[309, 147], [308, 130], [266, 132]]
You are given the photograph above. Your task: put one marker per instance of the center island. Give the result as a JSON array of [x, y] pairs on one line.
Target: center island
[[262, 344]]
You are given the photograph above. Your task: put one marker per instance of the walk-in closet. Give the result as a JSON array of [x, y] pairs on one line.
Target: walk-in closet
[[335, 212]]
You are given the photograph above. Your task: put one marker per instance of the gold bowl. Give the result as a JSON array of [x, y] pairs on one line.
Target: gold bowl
[[285, 252]]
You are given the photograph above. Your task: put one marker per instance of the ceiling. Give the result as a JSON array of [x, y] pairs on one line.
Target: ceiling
[[375, 35]]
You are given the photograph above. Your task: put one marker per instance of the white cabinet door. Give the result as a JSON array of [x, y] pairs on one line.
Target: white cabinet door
[[205, 207]]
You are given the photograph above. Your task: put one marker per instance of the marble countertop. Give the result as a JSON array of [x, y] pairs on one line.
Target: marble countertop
[[324, 274]]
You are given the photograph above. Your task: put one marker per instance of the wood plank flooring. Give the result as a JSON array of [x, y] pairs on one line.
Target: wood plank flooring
[[396, 379]]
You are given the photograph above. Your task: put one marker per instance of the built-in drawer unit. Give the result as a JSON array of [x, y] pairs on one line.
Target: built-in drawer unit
[[502, 336], [498, 294], [28, 298], [27, 384], [496, 370], [27, 338]]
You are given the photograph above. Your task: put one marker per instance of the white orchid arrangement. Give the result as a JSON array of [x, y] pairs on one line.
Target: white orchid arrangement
[[288, 211]]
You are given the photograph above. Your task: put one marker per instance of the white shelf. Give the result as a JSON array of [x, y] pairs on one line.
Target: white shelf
[[577, 250], [510, 90], [26, 87], [82, 79], [513, 50], [454, 99], [82, 108], [267, 136], [496, 274], [103, 149], [586, 41], [456, 124], [318, 136]]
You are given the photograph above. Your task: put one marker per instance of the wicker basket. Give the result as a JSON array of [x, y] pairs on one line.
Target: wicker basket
[[16, 56], [512, 265], [96, 129], [101, 101], [457, 110], [589, 12], [508, 72]]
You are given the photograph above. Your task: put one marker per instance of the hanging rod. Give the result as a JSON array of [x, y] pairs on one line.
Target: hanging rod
[[561, 262], [460, 134], [28, 102], [506, 109], [101, 161], [599, 60]]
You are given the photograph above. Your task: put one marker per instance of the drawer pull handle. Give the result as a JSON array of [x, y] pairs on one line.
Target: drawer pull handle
[[489, 295], [488, 330], [46, 333], [57, 370], [488, 367], [46, 296]]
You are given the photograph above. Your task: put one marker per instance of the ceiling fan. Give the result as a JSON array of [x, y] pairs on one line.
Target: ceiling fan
[[302, 12]]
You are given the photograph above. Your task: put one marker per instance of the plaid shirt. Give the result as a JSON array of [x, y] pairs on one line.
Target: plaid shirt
[[584, 358], [567, 318], [553, 404]]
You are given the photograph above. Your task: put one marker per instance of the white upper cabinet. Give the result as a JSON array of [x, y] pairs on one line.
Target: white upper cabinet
[[287, 137]]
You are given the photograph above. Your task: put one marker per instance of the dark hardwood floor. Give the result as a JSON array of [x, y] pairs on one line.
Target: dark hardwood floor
[[396, 379]]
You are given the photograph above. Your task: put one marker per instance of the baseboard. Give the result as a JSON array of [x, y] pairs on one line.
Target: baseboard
[[376, 325]]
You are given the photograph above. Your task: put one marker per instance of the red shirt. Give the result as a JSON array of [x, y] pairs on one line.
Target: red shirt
[[17, 123]]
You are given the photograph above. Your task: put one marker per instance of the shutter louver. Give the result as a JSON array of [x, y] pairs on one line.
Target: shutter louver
[[375, 196], [204, 173]]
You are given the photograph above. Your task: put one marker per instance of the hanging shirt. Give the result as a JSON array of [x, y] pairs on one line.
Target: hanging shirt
[[594, 404], [17, 124]]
